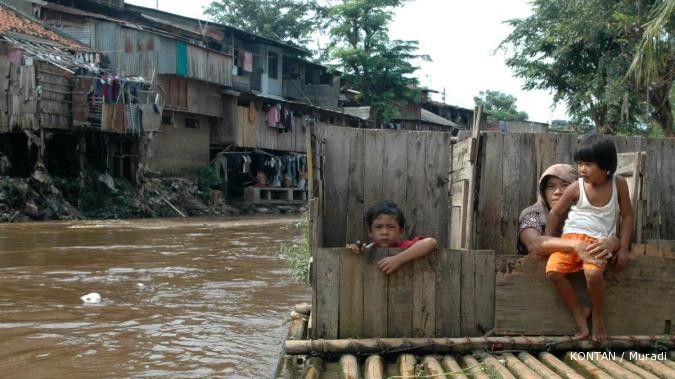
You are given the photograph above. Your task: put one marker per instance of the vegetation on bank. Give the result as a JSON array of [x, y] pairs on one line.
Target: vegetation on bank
[[297, 253]]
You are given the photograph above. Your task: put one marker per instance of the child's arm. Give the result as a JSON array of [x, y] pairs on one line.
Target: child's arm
[[555, 216], [626, 212], [420, 249]]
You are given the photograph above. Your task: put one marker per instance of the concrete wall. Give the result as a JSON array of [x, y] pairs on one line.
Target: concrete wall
[[176, 149]]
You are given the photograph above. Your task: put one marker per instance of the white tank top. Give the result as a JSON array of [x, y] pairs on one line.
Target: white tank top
[[597, 222]]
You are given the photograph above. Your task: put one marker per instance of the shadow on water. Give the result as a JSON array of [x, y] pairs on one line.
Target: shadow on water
[[181, 298]]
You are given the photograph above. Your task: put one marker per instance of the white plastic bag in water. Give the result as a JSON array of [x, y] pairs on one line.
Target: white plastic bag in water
[[91, 298]]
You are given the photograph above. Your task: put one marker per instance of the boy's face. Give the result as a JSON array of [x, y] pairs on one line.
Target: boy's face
[[385, 231]]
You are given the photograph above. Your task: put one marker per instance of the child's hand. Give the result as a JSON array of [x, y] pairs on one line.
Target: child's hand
[[357, 247], [621, 261], [389, 265], [586, 257]]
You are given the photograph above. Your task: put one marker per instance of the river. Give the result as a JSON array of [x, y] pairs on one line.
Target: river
[[180, 298]]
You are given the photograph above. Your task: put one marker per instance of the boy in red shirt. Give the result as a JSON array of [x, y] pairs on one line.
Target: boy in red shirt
[[386, 224]]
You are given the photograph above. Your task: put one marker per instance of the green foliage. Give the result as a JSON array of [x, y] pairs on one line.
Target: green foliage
[[206, 178], [499, 106], [297, 253], [582, 50], [380, 68], [290, 21]]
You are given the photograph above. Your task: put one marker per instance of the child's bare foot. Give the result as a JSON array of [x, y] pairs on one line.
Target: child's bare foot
[[582, 322], [599, 332]]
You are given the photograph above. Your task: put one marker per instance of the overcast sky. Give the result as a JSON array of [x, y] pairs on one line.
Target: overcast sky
[[459, 36]]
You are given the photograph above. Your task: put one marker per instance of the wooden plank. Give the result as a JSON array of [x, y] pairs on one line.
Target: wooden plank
[[485, 290], [527, 304], [518, 173], [351, 265], [488, 223], [436, 194], [417, 217], [399, 300], [468, 294], [336, 159], [374, 171], [545, 154], [327, 289], [395, 170], [458, 217], [424, 296], [448, 293], [374, 295], [564, 148]]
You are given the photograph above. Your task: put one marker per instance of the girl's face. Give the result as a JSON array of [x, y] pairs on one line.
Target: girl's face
[[554, 189], [385, 231], [591, 172]]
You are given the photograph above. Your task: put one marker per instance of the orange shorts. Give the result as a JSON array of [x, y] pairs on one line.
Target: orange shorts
[[570, 262]]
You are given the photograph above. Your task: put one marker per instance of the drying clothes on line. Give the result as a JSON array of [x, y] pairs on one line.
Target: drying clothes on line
[[273, 116]]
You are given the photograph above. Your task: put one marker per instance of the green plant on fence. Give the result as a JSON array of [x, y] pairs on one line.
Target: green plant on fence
[[296, 253]]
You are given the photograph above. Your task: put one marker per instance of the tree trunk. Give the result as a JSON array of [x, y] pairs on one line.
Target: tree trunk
[[662, 113]]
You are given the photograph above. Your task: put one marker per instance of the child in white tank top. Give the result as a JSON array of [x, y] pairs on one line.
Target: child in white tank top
[[594, 200]]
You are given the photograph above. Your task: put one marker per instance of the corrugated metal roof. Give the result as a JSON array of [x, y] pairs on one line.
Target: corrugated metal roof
[[426, 116]]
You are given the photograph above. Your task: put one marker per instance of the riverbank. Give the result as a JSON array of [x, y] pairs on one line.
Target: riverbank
[[99, 196]]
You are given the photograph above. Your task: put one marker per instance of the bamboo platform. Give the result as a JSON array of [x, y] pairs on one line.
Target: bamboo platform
[[478, 357]]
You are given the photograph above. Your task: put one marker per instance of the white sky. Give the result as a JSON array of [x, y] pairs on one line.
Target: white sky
[[459, 36]]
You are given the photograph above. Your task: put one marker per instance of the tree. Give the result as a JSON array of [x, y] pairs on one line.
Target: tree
[[290, 21], [499, 106], [582, 50], [379, 68]]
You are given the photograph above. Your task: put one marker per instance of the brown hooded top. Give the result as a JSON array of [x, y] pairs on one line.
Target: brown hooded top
[[535, 215]]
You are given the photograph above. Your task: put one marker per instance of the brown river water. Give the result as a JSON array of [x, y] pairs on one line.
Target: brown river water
[[180, 298]]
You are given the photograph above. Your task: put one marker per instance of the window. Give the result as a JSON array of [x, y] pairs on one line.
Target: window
[[272, 65], [192, 123]]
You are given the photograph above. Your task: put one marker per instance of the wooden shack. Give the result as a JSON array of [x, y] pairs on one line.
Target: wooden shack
[[468, 195]]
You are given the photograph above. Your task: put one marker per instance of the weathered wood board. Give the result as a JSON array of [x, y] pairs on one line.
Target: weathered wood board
[[638, 300], [449, 293]]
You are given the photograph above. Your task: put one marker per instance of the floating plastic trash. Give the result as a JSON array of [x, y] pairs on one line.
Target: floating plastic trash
[[91, 298]]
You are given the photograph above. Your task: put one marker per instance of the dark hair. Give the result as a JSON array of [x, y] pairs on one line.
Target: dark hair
[[598, 149], [385, 208]]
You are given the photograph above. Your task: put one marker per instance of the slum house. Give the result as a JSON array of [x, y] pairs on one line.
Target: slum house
[[411, 117], [208, 98], [43, 71], [466, 307], [459, 115]]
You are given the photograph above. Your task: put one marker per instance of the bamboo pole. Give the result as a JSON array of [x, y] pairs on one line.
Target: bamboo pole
[[314, 368], [638, 371], [451, 365], [298, 327], [406, 366], [449, 345], [519, 368], [303, 308], [374, 368], [613, 369], [432, 367], [559, 366], [495, 365], [586, 367], [474, 367], [654, 367], [349, 367], [537, 366]]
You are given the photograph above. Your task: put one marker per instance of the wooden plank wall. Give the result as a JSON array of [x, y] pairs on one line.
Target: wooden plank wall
[[256, 133], [526, 302], [449, 293], [363, 167], [510, 165]]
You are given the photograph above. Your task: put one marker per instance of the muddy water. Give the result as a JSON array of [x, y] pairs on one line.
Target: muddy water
[[196, 298]]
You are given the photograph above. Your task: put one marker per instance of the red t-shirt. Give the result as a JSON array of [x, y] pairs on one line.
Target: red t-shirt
[[407, 243]]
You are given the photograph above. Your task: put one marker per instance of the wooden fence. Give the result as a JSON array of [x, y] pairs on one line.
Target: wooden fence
[[448, 293], [467, 195], [509, 166]]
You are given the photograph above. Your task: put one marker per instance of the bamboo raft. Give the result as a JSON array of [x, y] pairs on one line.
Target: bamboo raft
[[472, 357]]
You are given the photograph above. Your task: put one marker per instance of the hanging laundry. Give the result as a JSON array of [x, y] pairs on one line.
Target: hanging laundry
[[273, 117], [248, 62]]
